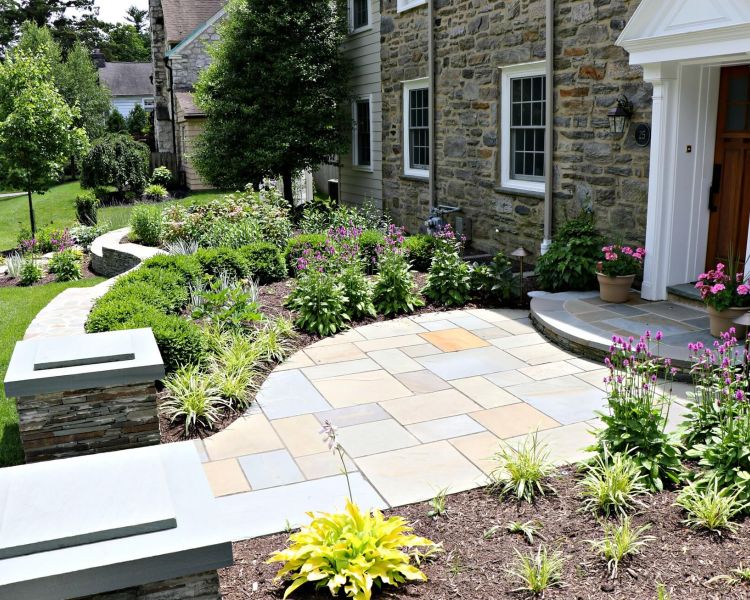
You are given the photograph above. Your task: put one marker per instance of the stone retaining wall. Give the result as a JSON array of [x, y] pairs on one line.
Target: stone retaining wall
[[61, 425], [111, 257], [201, 586]]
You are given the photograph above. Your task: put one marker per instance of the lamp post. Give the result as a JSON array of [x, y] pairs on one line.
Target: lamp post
[[520, 253]]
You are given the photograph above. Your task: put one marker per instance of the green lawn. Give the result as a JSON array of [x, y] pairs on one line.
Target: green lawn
[[57, 207], [19, 306]]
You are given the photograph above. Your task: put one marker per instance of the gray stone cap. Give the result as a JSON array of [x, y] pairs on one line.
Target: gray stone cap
[[81, 362], [178, 490]]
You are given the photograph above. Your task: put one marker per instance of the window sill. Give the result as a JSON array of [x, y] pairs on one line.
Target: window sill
[[421, 178], [356, 32], [511, 191], [362, 169]]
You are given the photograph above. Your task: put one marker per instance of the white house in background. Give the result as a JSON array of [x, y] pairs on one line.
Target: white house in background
[[696, 53], [129, 83]]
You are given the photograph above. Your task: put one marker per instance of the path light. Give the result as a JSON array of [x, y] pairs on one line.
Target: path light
[[619, 117], [520, 253]]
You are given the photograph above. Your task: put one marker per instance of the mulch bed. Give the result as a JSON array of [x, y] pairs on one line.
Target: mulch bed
[[272, 298], [86, 273], [473, 566]]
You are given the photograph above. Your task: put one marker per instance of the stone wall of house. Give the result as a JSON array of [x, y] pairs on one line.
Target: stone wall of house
[[473, 39], [201, 586], [162, 98], [192, 59], [66, 424]]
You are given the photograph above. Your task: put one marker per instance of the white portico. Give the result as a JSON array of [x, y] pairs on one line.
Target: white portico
[[699, 183]]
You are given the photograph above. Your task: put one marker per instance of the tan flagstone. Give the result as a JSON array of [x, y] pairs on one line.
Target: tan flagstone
[[540, 354], [375, 437], [226, 477], [296, 361], [394, 361], [425, 407], [508, 378], [247, 435], [567, 444], [514, 420], [361, 388], [418, 473], [336, 353], [323, 464], [484, 392], [345, 337], [479, 449], [519, 327], [423, 382], [550, 370], [301, 435], [424, 349], [397, 327], [399, 341], [453, 340], [347, 367]]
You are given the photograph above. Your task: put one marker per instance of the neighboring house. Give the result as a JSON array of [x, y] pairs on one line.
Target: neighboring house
[[129, 84], [480, 142], [181, 31]]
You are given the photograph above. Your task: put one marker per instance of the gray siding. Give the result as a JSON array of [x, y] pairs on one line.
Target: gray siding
[[363, 49]]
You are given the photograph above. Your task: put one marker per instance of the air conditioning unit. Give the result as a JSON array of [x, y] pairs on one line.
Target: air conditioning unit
[[333, 189]]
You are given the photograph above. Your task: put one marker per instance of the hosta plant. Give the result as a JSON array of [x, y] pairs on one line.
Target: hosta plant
[[65, 265], [449, 280], [358, 291], [394, 287], [351, 552], [320, 303]]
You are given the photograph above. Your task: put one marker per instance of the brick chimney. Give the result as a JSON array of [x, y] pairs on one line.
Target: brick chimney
[[98, 57]]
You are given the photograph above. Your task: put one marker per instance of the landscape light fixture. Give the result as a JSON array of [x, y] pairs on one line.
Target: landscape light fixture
[[620, 116]]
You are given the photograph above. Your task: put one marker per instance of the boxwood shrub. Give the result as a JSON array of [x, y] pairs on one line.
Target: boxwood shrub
[[265, 262], [112, 311], [167, 288], [215, 260], [298, 244], [419, 250], [187, 267]]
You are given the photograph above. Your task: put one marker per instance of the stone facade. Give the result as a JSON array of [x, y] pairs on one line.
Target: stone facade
[[163, 134], [201, 586], [192, 59], [473, 40], [66, 424]]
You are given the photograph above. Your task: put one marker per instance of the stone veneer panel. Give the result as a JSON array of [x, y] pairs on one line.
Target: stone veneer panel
[[201, 586], [473, 39], [66, 424]]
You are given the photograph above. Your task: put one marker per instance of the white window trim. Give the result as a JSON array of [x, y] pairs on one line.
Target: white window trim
[[404, 5], [531, 69], [367, 27], [355, 144], [407, 87]]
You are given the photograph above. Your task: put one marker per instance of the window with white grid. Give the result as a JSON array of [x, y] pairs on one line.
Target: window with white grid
[[362, 143], [416, 128]]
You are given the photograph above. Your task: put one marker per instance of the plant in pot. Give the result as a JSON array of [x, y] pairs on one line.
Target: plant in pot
[[617, 271], [726, 295]]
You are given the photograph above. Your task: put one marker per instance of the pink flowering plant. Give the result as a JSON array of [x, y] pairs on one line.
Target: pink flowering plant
[[621, 260], [724, 287]]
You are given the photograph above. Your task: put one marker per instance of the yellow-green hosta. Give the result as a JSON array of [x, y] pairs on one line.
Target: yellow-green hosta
[[352, 551]]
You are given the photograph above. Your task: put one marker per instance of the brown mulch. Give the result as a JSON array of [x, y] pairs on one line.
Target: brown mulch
[[473, 566], [86, 273]]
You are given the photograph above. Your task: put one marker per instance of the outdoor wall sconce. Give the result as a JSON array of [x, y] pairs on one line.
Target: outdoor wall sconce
[[619, 117]]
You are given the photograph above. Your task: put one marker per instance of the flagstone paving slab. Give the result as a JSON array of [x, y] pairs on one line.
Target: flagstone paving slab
[[479, 449], [270, 469], [375, 437], [324, 464], [226, 477], [424, 349], [565, 399], [550, 370], [247, 435], [290, 393], [361, 388], [353, 415], [485, 393], [570, 442], [470, 323], [301, 435], [346, 351], [394, 361], [452, 340], [424, 407], [469, 363], [514, 419], [423, 382], [443, 429], [349, 367]]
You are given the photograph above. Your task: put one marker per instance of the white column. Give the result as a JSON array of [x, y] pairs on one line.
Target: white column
[[661, 200]]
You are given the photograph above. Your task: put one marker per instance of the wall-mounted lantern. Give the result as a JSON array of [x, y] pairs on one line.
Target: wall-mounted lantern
[[619, 117]]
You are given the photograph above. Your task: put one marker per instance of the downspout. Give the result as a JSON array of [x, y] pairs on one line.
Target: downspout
[[549, 137], [171, 101], [431, 93]]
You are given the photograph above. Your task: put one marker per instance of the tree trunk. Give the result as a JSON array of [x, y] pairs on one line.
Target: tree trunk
[[286, 176], [31, 215]]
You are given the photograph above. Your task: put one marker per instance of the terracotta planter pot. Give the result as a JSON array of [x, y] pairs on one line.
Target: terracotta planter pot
[[721, 321], [615, 289]]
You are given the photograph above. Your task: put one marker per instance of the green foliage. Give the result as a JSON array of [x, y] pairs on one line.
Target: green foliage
[[527, 529], [161, 176], [44, 238], [358, 291], [273, 341], [493, 283], [138, 121], [570, 261], [351, 552], [394, 286], [87, 208], [419, 250], [155, 192], [709, 507], [538, 571], [146, 224], [522, 471], [109, 314], [186, 267], [320, 217], [265, 263], [65, 265], [612, 484], [319, 302], [191, 396], [31, 272], [116, 122], [124, 43], [38, 132], [295, 119], [161, 288], [225, 303], [438, 504], [84, 235], [296, 246], [735, 577], [370, 242], [116, 160], [216, 261], [620, 541], [449, 280]]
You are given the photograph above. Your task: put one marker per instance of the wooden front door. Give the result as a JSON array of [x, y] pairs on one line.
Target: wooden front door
[[730, 192]]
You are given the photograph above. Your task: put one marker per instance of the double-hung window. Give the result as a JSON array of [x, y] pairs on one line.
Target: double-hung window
[[362, 142], [523, 126], [359, 15], [417, 128]]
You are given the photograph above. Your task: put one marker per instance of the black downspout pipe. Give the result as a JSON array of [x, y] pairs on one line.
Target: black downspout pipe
[[171, 101]]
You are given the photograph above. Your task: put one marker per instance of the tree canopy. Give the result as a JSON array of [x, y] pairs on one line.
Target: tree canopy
[[38, 134], [275, 92]]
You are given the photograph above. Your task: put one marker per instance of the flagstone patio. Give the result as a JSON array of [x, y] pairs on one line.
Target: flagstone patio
[[421, 404]]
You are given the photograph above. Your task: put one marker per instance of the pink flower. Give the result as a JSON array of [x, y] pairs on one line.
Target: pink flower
[[627, 250], [720, 267], [719, 287], [743, 290]]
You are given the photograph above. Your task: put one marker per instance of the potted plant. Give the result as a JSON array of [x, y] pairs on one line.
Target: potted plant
[[726, 296], [617, 271]]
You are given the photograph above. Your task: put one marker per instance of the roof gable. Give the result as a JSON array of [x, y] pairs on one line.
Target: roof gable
[[182, 17], [196, 33]]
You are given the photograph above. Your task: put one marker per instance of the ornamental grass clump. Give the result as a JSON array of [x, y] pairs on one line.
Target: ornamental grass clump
[[636, 420], [710, 507], [522, 472], [352, 552], [621, 541], [192, 396], [538, 571], [612, 484]]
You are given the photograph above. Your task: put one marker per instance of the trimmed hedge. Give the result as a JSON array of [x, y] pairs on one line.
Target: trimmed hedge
[[112, 311], [265, 262], [166, 288], [187, 267], [215, 260]]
